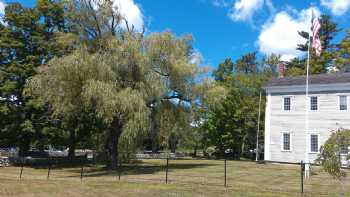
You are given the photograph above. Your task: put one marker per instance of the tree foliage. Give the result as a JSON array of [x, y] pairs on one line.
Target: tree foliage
[[224, 70], [230, 121], [330, 154], [322, 64], [169, 59], [118, 83], [27, 40], [343, 53]]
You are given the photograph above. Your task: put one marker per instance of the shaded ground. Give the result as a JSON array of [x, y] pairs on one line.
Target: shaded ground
[[185, 178]]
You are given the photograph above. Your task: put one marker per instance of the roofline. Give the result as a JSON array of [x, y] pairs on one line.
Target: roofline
[[312, 88]]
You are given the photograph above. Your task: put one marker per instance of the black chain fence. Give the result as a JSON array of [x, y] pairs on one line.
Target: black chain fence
[[276, 177]]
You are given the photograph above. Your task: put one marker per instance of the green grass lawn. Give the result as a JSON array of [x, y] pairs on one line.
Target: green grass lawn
[[186, 178]]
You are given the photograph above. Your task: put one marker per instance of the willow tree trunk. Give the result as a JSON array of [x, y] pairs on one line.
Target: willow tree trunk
[[154, 130], [195, 150], [172, 144], [115, 133], [72, 143]]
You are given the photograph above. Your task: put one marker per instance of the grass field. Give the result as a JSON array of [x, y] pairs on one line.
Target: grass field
[[186, 178]]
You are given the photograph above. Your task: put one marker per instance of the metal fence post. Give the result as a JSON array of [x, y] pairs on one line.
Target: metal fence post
[[49, 169], [302, 168], [119, 168], [20, 174], [167, 169], [225, 173], [82, 171]]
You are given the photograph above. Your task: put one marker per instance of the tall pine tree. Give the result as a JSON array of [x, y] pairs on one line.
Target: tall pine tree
[[320, 64]]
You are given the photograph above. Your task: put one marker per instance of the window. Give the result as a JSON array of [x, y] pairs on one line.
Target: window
[[286, 103], [314, 143], [344, 149], [286, 142], [313, 103], [343, 102]]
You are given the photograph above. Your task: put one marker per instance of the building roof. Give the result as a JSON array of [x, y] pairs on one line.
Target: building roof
[[313, 80]]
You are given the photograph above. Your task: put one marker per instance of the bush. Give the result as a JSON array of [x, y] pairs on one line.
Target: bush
[[330, 154], [210, 151]]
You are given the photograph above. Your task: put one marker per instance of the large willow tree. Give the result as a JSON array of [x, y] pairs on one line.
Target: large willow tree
[[117, 74], [117, 82], [167, 58]]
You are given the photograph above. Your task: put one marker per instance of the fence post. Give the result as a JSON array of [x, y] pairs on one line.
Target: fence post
[[82, 171], [49, 169], [166, 170], [20, 174], [119, 168], [225, 173], [302, 168]]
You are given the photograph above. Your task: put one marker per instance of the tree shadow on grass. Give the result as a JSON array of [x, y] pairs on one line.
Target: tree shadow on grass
[[132, 169]]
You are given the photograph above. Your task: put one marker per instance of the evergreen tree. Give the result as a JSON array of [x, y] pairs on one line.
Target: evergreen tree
[[320, 64], [343, 53], [247, 64], [224, 70]]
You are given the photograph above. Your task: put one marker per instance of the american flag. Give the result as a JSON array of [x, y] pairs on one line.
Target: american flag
[[316, 42]]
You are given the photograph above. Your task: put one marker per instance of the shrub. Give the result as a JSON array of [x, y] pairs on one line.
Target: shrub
[[330, 153]]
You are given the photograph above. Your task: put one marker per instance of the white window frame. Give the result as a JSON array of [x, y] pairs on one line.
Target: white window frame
[[318, 143], [348, 150], [347, 102], [290, 141], [290, 103], [318, 103]]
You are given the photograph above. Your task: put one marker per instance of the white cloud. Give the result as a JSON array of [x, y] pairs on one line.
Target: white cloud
[[337, 7], [196, 58], [280, 35], [243, 10], [131, 12], [2, 10], [128, 9]]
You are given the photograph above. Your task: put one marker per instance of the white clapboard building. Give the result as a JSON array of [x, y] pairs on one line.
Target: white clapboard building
[[286, 138]]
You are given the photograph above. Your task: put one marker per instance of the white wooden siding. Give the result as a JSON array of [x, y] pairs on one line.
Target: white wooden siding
[[327, 118]]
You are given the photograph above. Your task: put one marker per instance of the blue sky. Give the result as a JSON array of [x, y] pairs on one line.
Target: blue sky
[[230, 28]]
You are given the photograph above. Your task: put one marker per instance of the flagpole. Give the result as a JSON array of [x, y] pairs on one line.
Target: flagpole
[[307, 162], [258, 131]]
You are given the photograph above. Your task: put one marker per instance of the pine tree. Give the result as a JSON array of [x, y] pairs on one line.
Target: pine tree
[[320, 64], [343, 53]]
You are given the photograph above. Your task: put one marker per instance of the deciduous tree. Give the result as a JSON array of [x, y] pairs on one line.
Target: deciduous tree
[[27, 40]]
